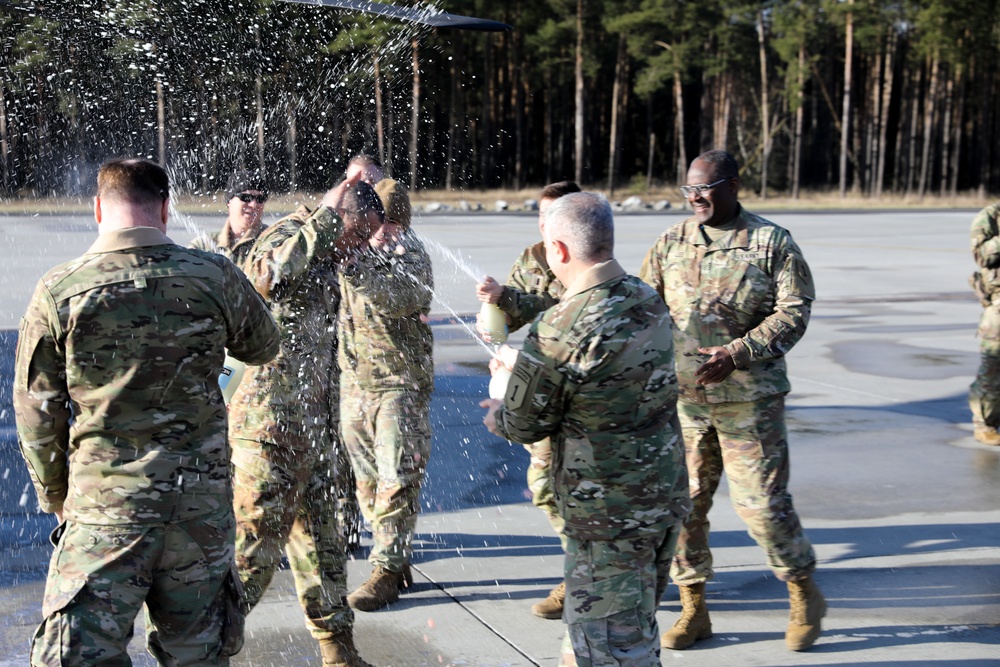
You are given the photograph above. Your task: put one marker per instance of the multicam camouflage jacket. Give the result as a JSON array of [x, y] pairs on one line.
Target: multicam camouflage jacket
[[596, 374], [750, 291], [385, 344], [116, 393], [531, 288], [986, 251], [236, 250], [289, 400]]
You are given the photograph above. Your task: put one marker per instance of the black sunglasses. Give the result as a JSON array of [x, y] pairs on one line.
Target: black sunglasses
[[246, 197]]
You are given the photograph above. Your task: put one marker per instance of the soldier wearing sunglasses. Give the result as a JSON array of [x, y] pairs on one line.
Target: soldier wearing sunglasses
[[739, 293], [245, 197]]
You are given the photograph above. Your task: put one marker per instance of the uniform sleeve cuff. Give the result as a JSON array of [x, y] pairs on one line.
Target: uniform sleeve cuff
[[506, 300], [738, 351]]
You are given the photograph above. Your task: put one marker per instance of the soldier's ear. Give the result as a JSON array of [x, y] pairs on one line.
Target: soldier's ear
[[165, 211], [97, 209]]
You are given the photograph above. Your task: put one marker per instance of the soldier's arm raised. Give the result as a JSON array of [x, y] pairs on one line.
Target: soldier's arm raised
[[782, 329], [41, 401], [283, 254]]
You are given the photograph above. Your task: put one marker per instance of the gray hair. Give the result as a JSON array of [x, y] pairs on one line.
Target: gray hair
[[583, 221]]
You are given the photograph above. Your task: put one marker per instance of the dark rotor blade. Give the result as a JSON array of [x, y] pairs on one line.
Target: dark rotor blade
[[421, 16]]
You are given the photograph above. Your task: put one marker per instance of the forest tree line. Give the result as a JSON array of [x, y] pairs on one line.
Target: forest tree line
[[857, 96]]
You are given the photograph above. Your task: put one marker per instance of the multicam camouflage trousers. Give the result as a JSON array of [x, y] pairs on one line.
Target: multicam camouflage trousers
[[100, 577], [287, 499], [612, 591], [540, 484], [748, 442], [984, 394], [388, 437]]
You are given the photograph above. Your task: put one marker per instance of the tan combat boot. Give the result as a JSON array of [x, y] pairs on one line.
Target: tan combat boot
[[381, 589], [694, 623], [552, 606], [986, 435], [339, 651], [807, 608]]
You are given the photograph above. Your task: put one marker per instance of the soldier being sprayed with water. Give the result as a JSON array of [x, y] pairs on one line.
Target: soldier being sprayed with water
[[596, 376], [531, 289], [387, 375], [283, 420], [122, 423]]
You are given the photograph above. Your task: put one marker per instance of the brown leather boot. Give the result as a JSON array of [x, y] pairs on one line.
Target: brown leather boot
[[552, 606], [381, 589], [694, 623], [807, 608], [339, 651], [986, 435]]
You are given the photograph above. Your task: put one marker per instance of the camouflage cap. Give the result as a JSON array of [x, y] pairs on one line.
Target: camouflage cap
[[395, 201], [241, 181]]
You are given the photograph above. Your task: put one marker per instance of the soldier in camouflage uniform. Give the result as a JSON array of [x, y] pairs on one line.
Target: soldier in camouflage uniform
[[283, 437], [532, 289], [387, 375], [739, 293], [984, 395], [121, 422], [245, 198], [596, 376]]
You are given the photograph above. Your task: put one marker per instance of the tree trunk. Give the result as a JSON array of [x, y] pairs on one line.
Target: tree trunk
[[161, 122], [930, 110], [578, 74], [5, 179], [682, 161], [956, 150], [616, 91], [379, 128], [800, 83], [415, 113], [548, 147], [845, 135], [911, 161], [883, 124], [259, 98], [292, 143], [452, 129], [765, 112], [949, 100]]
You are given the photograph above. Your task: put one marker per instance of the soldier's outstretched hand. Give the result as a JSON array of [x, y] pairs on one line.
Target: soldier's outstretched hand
[[490, 420]]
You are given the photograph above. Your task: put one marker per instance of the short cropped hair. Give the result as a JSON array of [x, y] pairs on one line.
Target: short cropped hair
[[364, 160], [133, 181], [583, 221], [559, 189], [724, 165], [363, 198]]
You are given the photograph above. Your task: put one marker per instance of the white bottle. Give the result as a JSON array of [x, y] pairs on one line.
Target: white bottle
[[230, 377], [494, 321], [498, 383]]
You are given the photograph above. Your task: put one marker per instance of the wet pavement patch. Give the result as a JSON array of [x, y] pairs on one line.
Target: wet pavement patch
[[897, 360]]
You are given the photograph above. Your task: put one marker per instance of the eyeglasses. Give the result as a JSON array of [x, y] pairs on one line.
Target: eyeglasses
[[700, 190], [246, 197]]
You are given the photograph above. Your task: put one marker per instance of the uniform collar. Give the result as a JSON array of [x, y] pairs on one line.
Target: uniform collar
[[737, 238], [132, 237], [594, 276]]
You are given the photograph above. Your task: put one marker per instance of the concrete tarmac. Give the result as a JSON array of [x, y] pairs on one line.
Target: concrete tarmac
[[901, 503]]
